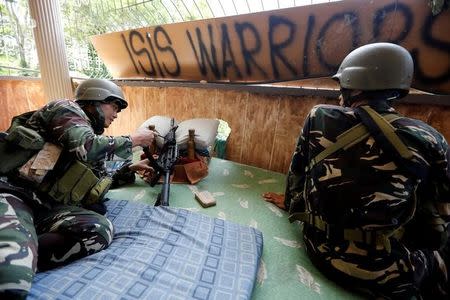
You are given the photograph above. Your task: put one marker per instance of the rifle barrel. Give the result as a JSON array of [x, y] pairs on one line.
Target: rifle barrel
[[166, 190]]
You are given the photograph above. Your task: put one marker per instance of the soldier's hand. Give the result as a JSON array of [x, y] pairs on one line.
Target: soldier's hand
[[141, 166], [143, 169], [277, 199], [142, 137]]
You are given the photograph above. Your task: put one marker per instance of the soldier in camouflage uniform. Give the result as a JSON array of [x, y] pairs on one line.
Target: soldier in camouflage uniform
[[41, 228], [373, 219]]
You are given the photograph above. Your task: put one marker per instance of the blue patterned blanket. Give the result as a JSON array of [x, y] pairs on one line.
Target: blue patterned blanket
[[161, 253]]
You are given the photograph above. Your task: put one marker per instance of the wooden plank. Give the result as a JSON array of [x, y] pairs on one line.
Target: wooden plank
[[138, 105], [5, 99], [205, 103], [260, 125], [34, 93], [179, 102], [282, 45], [188, 103], [154, 102], [231, 107], [17, 97], [290, 122]]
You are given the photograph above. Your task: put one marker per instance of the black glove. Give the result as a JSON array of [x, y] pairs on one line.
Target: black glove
[[123, 176]]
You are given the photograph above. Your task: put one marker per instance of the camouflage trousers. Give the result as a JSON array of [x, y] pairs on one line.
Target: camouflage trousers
[[401, 273], [57, 236]]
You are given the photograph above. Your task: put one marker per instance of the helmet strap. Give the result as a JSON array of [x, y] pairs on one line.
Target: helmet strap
[[383, 95], [371, 97], [99, 126], [351, 96], [95, 115]]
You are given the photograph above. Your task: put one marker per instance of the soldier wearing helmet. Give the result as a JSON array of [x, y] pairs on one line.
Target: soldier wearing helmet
[[93, 95], [372, 187], [53, 213], [380, 72]]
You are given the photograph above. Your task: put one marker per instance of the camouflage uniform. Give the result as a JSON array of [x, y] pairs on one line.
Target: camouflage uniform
[[362, 188], [29, 219]]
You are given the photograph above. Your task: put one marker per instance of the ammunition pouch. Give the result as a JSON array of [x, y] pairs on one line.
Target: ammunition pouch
[[79, 186], [17, 146], [123, 175]]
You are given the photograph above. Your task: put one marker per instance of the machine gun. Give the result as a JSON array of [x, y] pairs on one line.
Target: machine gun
[[163, 165]]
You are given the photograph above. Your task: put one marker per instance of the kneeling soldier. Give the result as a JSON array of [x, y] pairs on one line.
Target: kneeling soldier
[[53, 177]]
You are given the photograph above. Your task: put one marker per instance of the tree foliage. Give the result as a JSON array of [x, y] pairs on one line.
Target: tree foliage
[[16, 36], [81, 20]]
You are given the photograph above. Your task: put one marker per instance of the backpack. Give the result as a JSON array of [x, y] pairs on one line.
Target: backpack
[[380, 128]]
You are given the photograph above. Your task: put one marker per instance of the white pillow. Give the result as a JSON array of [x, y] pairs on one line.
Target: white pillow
[[205, 131], [162, 127]]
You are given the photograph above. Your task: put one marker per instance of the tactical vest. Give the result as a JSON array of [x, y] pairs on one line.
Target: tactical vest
[[75, 184], [18, 144], [380, 128]]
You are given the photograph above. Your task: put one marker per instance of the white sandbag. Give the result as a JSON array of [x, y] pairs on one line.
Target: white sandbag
[[205, 131]]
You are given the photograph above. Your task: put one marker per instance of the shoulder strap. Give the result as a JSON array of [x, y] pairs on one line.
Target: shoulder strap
[[347, 139], [384, 134]]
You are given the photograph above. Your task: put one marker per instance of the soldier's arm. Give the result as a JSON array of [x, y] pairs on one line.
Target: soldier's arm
[[433, 211], [71, 129], [296, 176], [295, 179], [440, 210]]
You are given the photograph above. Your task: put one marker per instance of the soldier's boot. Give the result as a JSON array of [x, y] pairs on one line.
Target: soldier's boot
[[52, 242]]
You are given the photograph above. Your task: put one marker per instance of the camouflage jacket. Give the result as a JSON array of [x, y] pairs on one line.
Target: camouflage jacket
[[64, 123], [362, 187]]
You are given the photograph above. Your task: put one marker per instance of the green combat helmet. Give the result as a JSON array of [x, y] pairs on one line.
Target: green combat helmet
[[93, 92], [100, 90], [377, 67]]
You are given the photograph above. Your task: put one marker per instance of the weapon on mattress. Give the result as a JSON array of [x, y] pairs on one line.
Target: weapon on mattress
[[164, 164]]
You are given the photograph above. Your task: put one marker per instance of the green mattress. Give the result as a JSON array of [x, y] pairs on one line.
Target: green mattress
[[285, 271]]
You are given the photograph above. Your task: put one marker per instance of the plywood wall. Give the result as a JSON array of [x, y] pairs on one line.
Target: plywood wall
[[19, 96], [264, 128]]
